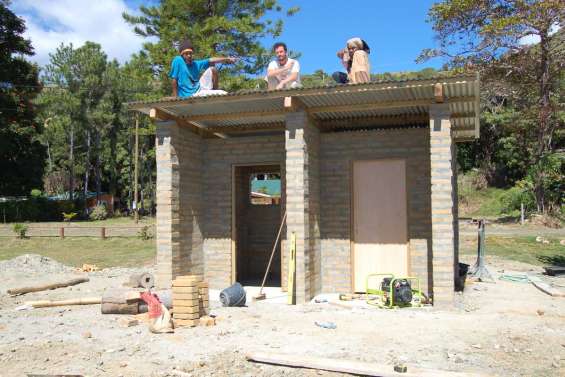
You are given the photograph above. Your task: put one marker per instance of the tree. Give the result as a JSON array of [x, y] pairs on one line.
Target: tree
[[215, 27], [487, 36], [21, 153]]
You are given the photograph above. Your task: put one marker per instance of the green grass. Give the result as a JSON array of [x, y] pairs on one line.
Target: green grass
[[521, 249], [111, 252]]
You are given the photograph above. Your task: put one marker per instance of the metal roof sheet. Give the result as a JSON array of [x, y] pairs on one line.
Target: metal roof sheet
[[375, 100]]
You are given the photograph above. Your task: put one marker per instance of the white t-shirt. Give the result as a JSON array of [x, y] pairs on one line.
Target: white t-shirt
[[295, 68]]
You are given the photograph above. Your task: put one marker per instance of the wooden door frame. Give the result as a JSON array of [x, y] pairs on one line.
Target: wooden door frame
[[352, 214], [233, 214]]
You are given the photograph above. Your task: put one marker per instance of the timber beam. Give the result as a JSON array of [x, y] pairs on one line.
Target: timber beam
[[160, 114]]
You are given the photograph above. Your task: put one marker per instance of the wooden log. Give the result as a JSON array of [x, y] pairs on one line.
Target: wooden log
[[144, 280], [349, 366], [546, 288], [45, 287], [120, 301], [75, 301]]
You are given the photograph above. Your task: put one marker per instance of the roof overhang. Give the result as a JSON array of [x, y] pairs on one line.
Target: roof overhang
[[339, 107]]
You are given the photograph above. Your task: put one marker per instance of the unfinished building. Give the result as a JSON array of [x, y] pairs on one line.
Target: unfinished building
[[367, 183]]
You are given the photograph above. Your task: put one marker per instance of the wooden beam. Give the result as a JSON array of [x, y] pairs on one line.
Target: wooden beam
[[438, 93], [231, 116], [371, 121], [293, 104], [278, 126], [350, 366], [161, 114]]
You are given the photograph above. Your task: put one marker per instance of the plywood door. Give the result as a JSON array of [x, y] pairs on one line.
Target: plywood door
[[380, 243]]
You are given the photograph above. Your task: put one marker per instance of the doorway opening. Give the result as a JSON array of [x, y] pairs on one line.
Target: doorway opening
[[257, 218]]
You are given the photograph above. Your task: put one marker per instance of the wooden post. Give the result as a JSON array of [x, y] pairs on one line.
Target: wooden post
[[62, 232], [291, 270], [135, 204], [522, 215], [103, 232]]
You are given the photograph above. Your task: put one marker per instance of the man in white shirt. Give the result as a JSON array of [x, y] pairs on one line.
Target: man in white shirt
[[283, 73]]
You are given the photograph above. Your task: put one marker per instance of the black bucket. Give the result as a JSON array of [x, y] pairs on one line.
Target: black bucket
[[460, 281], [233, 296]]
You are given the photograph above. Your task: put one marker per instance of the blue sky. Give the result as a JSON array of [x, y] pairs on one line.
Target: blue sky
[[395, 30]]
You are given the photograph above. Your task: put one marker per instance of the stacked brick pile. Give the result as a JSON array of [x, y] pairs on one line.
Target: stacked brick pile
[[186, 302], [190, 300]]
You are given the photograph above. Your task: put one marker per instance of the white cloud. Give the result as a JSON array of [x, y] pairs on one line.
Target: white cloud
[[52, 22], [534, 39]]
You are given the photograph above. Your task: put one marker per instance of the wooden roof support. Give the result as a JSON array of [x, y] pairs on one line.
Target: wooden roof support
[[438, 93], [292, 104], [160, 114], [371, 121]]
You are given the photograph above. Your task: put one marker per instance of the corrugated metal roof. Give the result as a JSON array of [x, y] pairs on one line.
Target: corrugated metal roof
[[375, 100]]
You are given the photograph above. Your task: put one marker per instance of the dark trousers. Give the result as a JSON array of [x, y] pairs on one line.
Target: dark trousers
[[340, 77]]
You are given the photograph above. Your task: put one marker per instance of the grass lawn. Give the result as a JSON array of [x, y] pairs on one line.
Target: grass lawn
[[522, 249], [111, 252]]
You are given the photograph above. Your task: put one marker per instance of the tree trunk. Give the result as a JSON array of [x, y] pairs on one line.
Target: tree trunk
[[544, 140], [87, 171], [98, 169], [72, 163]]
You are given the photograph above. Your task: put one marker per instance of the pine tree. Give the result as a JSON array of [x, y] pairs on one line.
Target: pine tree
[[21, 154], [216, 28]]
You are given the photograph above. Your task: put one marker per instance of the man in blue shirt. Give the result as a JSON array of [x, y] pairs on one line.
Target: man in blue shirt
[[185, 73]]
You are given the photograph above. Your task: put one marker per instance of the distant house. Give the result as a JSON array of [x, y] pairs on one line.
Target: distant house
[[266, 191], [367, 173], [91, 200]]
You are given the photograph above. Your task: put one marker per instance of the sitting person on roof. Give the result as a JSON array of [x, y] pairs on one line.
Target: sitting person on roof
[[185, 73], [283, 73], [355, 59]]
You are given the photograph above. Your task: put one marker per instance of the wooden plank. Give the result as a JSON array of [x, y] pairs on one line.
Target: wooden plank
[[546, 288], [46, 287], [380, 220], [76, 301], [350, 366]]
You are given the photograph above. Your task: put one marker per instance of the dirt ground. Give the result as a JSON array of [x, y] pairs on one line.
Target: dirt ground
[[502, 329]]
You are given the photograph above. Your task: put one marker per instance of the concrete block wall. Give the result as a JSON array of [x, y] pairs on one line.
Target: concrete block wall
[[303, 202], [337, 153], [179, 199], [219, 156], [444, 202]]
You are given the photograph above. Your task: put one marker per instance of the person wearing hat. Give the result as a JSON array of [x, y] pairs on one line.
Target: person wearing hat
[[355, 58], [186, 73]]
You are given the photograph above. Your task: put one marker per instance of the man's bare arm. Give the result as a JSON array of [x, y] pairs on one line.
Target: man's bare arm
[[278, 71], [175, 87], [292, 77], [229, 60]]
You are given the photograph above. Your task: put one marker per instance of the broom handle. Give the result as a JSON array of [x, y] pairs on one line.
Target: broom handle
[[272, 253]]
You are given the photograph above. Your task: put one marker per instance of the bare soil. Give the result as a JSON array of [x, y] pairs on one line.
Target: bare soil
[[501, 329]]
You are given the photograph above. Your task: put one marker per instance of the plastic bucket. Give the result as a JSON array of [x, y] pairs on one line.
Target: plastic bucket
[[233, 295]]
